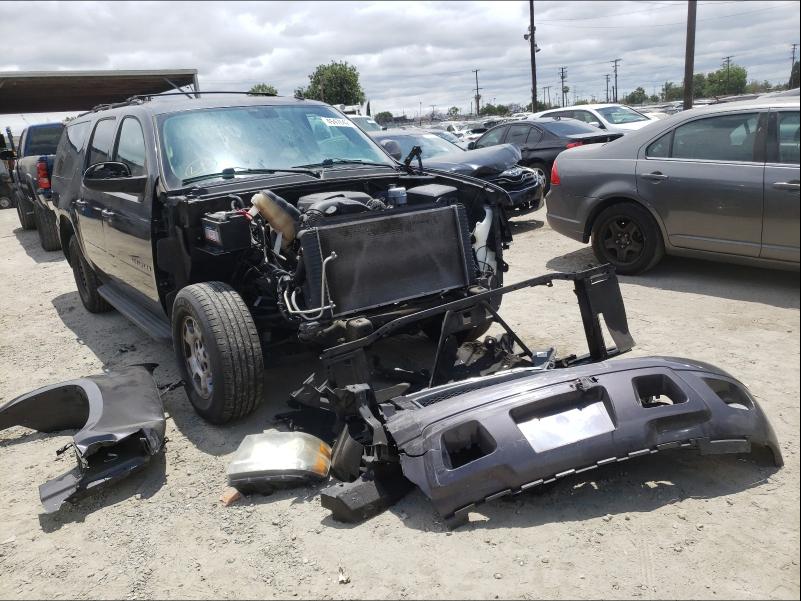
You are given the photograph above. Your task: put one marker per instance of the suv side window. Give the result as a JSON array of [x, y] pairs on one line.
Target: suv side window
[[720, 138], [131, 146], [100, 144], [69, 148], [789, 129], [492, 137], [517, 135]]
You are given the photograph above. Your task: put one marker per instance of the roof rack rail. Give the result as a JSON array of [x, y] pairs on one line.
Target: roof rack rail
[[142, 98]]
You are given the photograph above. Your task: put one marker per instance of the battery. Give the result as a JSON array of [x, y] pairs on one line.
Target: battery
[[226, 230]]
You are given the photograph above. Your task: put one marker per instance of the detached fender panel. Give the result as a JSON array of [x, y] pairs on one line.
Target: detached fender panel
[[517, 433], [121, 421]]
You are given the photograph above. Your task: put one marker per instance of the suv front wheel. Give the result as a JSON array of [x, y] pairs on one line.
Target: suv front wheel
[[218, 351]]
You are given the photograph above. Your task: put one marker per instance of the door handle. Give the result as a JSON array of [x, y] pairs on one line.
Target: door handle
[[656, 176], [107, 214], [80, 203], [794, 185]]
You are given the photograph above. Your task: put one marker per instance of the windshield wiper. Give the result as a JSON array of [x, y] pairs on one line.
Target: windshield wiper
[[332, 162], [231, 172]]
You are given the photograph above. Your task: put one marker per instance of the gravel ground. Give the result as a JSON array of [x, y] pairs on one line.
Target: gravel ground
[[678, 526]]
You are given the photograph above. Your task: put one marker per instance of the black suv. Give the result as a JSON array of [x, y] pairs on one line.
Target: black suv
[[235, 224]]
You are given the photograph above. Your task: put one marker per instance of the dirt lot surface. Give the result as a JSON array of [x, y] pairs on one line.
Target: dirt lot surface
[[678, 526]]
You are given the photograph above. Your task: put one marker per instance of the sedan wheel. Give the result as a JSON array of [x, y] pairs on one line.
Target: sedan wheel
[[626, 236]]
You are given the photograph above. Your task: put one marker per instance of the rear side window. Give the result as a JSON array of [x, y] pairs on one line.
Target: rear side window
[[131, 146], [659, 149], [43, 139], [534, 136], [789, 130], [70, 147], [721, 138], [517, 134], [100, 144]]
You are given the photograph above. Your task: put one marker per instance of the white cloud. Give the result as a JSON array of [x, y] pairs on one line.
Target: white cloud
[[407, 52]]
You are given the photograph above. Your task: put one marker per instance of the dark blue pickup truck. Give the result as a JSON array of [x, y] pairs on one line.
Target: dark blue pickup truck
[[31, 181]]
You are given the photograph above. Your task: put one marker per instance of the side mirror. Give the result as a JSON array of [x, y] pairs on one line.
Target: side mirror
[[393, 149], [113, 177], [471, 146]]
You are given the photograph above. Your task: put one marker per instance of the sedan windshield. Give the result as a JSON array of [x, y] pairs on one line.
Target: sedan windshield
[[208, 141], [621, 114], [431, 144]]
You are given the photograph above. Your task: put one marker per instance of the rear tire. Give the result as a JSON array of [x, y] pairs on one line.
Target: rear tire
[[218, 351], [47, 227], [25, 213], [627, 236], [86, 280]]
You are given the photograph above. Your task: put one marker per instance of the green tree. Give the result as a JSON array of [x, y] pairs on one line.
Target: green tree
[[653, 98], [263, 88], [335, 83], [384, 117], [638, 96], [727, 81], [453, 112], [673, 91], [699, 85], [794, 76]]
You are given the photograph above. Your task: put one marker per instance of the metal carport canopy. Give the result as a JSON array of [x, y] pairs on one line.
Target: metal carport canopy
[[63, 91]]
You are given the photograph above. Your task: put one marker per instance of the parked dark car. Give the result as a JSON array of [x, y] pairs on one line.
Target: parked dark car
[[498, 165], [233, 225], [720, 182], [31, 181], [541, 141]]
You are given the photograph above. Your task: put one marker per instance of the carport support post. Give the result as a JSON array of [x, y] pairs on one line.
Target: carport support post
[[689, 56]]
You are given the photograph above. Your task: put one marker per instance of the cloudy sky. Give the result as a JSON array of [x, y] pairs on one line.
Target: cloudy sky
[[408, 53]]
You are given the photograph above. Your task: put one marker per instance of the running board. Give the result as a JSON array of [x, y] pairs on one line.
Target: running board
[[156, 328]]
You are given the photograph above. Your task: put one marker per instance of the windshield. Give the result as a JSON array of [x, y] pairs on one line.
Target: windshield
[[568, 127], [446, 135], [431, 144], [621, 114], [366, 123], [206, 141], [43, 139]]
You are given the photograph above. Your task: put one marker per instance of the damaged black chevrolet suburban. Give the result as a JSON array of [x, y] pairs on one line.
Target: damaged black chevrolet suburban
[[234, 224]]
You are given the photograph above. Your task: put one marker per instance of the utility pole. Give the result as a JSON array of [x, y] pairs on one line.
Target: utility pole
[[532, 30], [563, 77], [792, 66], [689, 56], [420, 114], [607, 87], [615, 62], [433, 106], [478, 96], [546, 89], [727, 60]]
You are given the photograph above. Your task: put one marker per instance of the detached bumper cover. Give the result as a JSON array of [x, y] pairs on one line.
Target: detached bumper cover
[[483, 442], [121, 421]]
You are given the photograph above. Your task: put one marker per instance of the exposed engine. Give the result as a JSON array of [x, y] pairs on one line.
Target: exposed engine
[[336, 255]]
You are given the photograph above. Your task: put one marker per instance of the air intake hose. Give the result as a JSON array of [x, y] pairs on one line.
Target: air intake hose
[[282, 216]]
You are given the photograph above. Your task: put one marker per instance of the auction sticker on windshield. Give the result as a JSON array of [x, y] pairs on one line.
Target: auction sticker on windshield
[[337, 122]]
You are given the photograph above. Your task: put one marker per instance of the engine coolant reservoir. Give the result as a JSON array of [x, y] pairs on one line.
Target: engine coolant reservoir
[[486, 256], [281, 215]]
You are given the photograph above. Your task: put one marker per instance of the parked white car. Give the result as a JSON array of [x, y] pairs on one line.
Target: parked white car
[[612, 117]]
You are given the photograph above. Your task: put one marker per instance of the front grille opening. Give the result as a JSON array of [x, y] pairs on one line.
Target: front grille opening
[[658, 391], [731, 394], [466, 443]]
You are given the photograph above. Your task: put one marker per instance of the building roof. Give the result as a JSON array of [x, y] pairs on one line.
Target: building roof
[[63, 91]]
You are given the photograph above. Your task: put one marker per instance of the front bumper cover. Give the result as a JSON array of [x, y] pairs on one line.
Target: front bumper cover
[[121, 421], [521, 430]]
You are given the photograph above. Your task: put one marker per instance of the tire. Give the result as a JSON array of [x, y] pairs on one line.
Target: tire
[[218, 351], [24, 211], [546, 172], [627, 236], [5, 202], [86, 280], [47, 227]]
